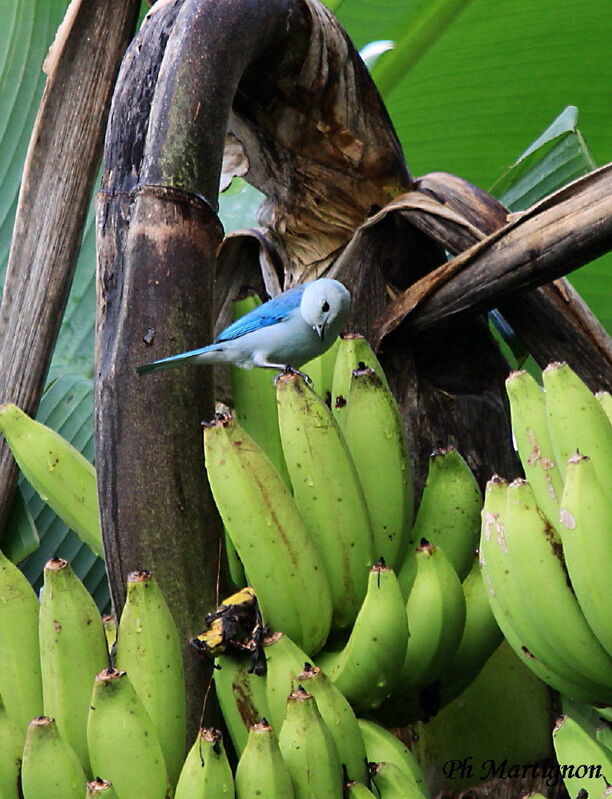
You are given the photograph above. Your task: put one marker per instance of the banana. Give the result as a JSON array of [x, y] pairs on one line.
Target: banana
[[357, 790], [261, 770], [407, 571], [72, 651], [255, 402], [20, 681], [354, 352], [234, 564], [242, 698], [206, 773], [149, 649], [62, 477], [449, 512], [327, 493], [605, 400], [11, 749], [577, 421], [284, 661], [534, 560], [533, 441], [585, 764], [512, 608], [436, 618], [481, 637], [374, 432], [584, 525], [109, 622], [383, 747], [340, 719], [281, 562], [321, 371], [308, 750], [100, 787], [50, 767], [393, 783], [367, 669], [122, 741]]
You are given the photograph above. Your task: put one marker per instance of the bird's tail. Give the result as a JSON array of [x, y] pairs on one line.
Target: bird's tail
[[194, 356]]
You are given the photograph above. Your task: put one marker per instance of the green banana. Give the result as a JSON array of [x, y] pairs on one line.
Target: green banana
[[122, 741], [392, 783], [321, 371], [206, 773], [100, 787], [308, 750], [436, 620], [340, 719], [508, 602], [367, 669], [234, 564], [354, 352], [577, 421], [50, 767], [255, 401], [327, 493], [261, 770], [11, 749], [407, 571], [281, 562], [383, 747], [584, 526], [605, 400], [20, 680], [585, 764], [481, 637], [449, 511], [149, 649], [242, 698], [72, 651], [534, 561], [357, 790], [284, 661], [65, 480], [109, 622], [374, 432], [533, 441]]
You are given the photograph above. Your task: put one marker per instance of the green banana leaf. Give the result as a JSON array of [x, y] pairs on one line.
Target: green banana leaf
[[468, 85]]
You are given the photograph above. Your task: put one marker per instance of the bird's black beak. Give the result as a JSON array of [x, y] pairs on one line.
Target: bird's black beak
[[320, 330]]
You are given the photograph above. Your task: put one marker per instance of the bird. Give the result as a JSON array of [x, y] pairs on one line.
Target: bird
[[282, 333]]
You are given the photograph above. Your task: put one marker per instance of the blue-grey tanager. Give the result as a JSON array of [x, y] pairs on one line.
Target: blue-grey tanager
[[286, 331]]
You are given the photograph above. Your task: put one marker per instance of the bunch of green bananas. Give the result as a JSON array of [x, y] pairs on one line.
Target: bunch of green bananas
[[546, 542], [65, 716], [298, 737], [314, 487]]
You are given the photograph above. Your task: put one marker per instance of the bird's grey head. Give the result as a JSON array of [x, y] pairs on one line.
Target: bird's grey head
[[325, 306]]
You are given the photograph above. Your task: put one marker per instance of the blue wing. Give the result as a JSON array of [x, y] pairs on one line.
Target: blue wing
[[269, 313]]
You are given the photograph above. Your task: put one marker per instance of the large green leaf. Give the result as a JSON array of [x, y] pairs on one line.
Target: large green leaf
[[28, 29], [491, 81]]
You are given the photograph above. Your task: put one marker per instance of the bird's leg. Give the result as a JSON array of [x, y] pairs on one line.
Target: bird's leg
[[288, 370]]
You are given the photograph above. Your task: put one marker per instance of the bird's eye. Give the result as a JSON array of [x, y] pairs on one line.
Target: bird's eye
[[325, 307]]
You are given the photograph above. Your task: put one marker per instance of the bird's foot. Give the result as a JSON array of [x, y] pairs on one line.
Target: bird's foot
[[289, 370]]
